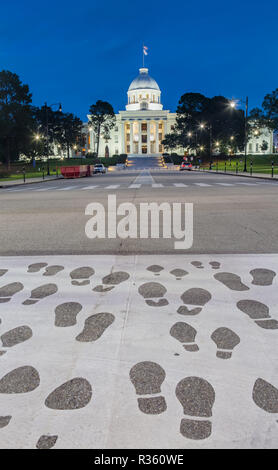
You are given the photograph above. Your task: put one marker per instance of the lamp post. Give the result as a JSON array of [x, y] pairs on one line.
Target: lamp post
[[233, 105], [47, 135], [202, 126]]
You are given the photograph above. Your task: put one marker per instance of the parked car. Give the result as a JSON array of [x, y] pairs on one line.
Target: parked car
[[186, 166], [99, 168]]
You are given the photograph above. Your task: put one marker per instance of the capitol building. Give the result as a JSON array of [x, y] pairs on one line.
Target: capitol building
[[141, 128]]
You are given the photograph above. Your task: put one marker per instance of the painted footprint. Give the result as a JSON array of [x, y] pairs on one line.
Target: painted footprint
[[53, 270], [81, 276], [46, 441], [151, 291], [71, 395], [231, 280], [178, 273], [4, 421], [197, 264], [36, 267], [258, 312], [147, 378], [226, 340], [265, 396], [66, 313], [16, 336], [41, 293], [21, 380], [185, 334], [6, 292], [112, 280], [262, 277], [3, 271], [215, 264], [194, 296], [95, 326], [197, 397], [155, 269]]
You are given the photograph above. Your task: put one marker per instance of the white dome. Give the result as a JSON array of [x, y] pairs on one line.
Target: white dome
[[143, 81]]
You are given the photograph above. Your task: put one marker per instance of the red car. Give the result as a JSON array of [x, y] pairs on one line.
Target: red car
[[186, 166]]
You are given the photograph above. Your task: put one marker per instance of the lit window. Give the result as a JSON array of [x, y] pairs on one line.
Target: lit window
[[144, 127]]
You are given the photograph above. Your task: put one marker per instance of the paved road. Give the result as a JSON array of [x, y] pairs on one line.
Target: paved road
[[153, 349], [231, 214]]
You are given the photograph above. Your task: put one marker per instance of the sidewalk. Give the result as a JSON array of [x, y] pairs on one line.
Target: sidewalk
[[241, 173], [7, 184]]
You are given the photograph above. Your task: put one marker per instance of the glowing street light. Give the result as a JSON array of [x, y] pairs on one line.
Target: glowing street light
[[233, 105]]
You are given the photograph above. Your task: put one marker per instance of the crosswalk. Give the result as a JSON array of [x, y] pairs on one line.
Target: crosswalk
[[80, 187]]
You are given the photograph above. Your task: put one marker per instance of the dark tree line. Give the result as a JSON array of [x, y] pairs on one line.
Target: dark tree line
[[206, 123], [29, 130]]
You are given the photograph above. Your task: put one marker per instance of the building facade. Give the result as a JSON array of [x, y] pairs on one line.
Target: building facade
[[140, 129]]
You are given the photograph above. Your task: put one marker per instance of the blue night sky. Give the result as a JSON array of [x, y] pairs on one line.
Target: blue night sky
[[78, 53]]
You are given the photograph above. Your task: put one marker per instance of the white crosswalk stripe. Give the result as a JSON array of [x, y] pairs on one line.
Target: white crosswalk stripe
[[67, 188], [180, 185], [202, 184], [135, 186], [249, 184], [225, 184], [157, 185], [112, 186], [89, 187], [45, 189]]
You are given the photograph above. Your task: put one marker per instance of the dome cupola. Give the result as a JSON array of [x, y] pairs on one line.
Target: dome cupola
[[143, 93]]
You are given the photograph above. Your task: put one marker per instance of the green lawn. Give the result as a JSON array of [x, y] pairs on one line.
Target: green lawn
[[16, 172], [261, 164]]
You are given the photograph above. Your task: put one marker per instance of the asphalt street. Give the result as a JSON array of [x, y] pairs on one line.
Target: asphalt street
[[231, 214]]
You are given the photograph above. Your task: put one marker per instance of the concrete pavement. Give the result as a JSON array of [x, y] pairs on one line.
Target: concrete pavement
[[142, 351]]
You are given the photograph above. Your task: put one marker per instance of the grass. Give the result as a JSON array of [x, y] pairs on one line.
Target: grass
[[16, 171], [261, 164]]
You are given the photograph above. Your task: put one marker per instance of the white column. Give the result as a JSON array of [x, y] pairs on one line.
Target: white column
[[140, 137], [123, 137], [156, 137], [148, 137], [131, 136]]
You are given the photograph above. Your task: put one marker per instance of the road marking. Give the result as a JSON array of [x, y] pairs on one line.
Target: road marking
[[135, 186], [202, 184], [112, 186], [89, 187], [67, 188], [45, 189], [144, 178], [157, 185], [248, 184], [180, 185], [225, 184]]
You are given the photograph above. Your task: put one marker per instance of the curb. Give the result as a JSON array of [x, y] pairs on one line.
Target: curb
[[30, 182], [241, 175]]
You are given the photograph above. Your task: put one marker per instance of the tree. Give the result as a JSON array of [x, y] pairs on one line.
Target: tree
[[170, 141], [268, 115], [15, 114], [102, 118], [69, 131], [202, 121]]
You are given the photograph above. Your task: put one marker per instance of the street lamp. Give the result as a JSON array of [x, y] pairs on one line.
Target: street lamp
[[47, 136], [233, 105]]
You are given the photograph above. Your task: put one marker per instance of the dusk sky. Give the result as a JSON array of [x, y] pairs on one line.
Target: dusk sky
[[76, 53]]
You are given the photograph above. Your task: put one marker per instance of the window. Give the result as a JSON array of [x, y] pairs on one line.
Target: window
[[128, 137], [128, 148], [116, 151], [250, 147], [160, 136], [160, 148], [144, 138], [116, 129], [160, 125], [116, 139], [144, 127], [127, 126], [257, 147], [172, 128]]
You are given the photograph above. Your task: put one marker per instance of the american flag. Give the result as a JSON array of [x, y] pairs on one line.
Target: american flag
[[145, 50]]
